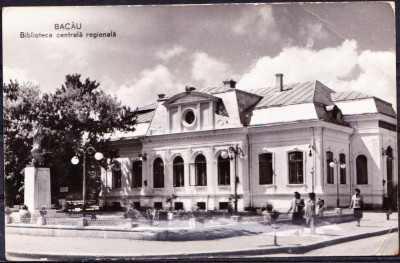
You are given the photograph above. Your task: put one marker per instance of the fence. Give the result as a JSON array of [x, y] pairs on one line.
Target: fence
[[62, 221], [108, 222], [176, 222]]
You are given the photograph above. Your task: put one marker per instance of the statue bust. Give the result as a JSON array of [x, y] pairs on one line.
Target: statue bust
[[37, 158]]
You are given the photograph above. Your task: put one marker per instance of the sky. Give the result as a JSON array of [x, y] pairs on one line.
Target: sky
[[162, 49]]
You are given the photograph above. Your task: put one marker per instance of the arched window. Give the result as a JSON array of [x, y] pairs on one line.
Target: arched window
[[158, 173], [137, 174], [296, 168], [362, 169], [224, 171], [201, 170], [178, 172], [342, 160], [265, 168], [329, 169]]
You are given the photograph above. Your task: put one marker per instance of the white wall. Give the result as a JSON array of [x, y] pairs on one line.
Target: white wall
[[279, 140]]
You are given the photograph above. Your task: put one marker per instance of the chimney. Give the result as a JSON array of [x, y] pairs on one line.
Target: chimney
[[279, 82], [189, 89], [161, 96], [229, 83]]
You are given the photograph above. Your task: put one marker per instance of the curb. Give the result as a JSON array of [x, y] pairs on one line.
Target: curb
[[222, 254]]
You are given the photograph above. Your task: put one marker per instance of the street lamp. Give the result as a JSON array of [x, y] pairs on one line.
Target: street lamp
[[75, 160], [312, 148], [232, 153], [342, 166]]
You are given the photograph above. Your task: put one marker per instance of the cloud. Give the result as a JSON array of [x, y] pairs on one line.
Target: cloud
[[301, 64], [261, 22], [312, 32], [342, 68], [170, 53], [378, 77], [209, 70], [18, 74], [143, 90]]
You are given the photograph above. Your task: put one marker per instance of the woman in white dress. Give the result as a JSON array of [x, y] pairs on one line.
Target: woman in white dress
[[357, 205]]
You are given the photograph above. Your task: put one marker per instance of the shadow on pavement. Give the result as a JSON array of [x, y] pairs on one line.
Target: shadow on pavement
[[271, 245]]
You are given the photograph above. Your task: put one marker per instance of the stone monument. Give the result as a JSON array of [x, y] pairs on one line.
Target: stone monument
[[37, 179]]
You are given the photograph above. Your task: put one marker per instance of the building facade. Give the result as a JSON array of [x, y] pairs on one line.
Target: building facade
[[202, 147]]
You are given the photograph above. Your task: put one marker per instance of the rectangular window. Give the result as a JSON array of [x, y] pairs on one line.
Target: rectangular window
[[136, 205], [116, 205], [201, 205], [116, 175], [158, 205], [158, 173], [224, 174], [178, 205], [201, 170], [137, 174], [296, 168], [329, 169], [223, 205], [265, 168], [342, 166], [362, 169]]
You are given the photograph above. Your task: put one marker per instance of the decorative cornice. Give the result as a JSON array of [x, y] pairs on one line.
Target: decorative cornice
[[196, 134], [206, 97], [370, 117]]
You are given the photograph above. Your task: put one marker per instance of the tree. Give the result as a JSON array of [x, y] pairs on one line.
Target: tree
[[19, 114], [77, 115]]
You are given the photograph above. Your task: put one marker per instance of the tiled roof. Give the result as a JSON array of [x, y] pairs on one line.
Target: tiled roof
[[385, 108], [348, 95], [148, 107], [145, 117], [292, 94], [145, 114], [215, 90], [381, 106]]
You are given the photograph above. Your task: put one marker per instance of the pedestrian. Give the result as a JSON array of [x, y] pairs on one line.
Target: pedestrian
[[357, 205], [297, 205], [386, 206], [310, 212], [320, 207], [230, 206], [270, 214]]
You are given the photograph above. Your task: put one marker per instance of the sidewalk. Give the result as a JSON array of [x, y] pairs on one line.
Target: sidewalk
[[64, 248]]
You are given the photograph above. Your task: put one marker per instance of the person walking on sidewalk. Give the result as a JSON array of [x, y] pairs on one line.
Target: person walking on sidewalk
[[311, 212], [230, 206], [320, 207], [387, 206], [297, 206], [357, 205]]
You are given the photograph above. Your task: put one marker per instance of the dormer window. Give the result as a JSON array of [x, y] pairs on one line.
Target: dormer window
[[190, 111], [188, 118]]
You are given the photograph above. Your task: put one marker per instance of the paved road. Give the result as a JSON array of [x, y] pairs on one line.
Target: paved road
[[385, 245]]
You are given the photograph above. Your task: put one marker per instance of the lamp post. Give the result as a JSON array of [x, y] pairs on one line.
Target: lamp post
[[342, 166], [312, 148], [232, 153], [75, 160]]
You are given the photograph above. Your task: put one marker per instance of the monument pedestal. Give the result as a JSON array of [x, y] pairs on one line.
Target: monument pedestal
[[37, 189]]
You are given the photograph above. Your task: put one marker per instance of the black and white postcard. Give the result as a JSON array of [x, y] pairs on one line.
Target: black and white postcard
[[200, 131]]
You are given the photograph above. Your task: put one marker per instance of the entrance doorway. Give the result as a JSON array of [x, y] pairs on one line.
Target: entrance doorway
[[390, 186]]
